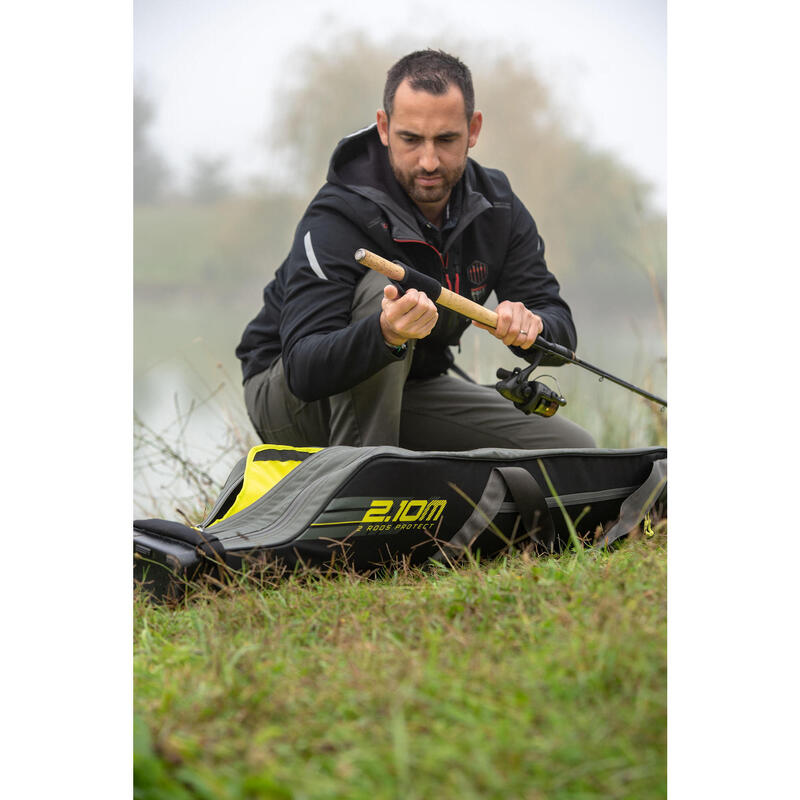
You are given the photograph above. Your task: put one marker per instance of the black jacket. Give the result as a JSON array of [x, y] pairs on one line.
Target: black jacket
[[493, 246]]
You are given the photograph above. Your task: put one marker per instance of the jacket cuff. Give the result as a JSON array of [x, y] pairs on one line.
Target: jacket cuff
[[393, 353]]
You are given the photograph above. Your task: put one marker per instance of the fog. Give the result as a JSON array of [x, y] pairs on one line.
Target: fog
[[214, 67]]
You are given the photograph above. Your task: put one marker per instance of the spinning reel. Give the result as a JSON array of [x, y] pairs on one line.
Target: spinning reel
[[532, 397]]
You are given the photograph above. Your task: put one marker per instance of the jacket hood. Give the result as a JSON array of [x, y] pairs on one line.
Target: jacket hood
[[356, 158], [360, 163]]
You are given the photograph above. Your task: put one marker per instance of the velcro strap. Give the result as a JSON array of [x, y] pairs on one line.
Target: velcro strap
[[417, 280]]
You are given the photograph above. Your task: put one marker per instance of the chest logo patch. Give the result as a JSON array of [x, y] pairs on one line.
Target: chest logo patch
[[477, 274]]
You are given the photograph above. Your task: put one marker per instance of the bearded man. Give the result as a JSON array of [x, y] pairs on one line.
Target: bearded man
[[337, 355]]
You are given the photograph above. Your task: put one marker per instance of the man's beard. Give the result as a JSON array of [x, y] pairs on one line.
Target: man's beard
[[428, 194]]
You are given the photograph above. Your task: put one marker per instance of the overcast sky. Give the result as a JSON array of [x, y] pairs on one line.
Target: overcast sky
[[211, 65]]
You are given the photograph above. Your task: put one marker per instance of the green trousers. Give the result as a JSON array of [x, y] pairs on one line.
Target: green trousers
[[441, 413]]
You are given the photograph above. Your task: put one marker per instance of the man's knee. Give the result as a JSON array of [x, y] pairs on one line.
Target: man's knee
[[576, 436], [562, 432], [368, 294]]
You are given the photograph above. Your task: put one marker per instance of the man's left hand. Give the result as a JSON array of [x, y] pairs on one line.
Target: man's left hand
[[516, 325]]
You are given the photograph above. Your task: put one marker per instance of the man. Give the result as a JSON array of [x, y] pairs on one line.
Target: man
[[337, 354]]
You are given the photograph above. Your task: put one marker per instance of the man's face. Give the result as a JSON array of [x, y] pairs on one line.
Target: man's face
[[428, 138]]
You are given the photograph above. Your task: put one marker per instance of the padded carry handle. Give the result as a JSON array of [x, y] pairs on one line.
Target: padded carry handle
[[531, 505], [205, 542]]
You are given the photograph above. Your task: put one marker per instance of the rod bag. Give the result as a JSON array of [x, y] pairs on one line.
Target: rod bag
[[367, 507]]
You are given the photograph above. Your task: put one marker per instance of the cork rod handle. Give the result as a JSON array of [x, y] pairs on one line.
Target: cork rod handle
[[380, 264], [455, 302]]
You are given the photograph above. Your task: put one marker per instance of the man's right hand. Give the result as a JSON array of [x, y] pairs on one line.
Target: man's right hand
[[411, 316]]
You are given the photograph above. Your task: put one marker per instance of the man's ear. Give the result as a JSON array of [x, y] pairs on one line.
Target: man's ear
[[475, 128], [383, 127]]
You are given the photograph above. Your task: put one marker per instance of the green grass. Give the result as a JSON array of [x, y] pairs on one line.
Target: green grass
[[519, 678]]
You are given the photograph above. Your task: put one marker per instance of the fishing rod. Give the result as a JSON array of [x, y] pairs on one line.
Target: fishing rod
[[532, 397], [569, 356]]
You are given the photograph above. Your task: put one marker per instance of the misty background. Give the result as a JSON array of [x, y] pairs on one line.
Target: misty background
[[237, 107]]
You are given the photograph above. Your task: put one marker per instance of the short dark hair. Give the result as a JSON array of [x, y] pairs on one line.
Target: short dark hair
[[432, 71]]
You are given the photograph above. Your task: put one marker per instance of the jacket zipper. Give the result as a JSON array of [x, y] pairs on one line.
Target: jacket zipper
[[453, 282], [442, 258]]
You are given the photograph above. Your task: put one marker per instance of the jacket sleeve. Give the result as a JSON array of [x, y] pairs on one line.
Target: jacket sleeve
[[525, 278], [324, 353]]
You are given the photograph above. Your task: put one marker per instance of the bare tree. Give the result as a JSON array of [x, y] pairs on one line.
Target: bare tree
[[208, 182]]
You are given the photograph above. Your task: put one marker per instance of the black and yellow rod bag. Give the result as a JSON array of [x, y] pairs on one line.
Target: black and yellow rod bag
[[371, 507]]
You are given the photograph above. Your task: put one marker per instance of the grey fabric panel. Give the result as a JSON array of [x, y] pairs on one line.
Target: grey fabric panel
[[235, 478], [303, 492]]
